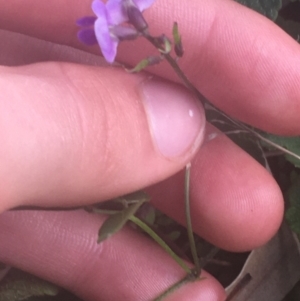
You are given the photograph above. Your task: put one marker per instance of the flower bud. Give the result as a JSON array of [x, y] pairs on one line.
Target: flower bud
[[177, 41], [135, 16], [165, 43]]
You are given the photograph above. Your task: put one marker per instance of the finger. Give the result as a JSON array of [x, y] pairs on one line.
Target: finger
[[129, 266], [70, 135], [36, 50], [232, 61], [235, 203], [223, 239]]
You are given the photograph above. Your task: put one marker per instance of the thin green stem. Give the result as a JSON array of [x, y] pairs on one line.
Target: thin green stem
[[161, 242], [176, 286], [102, 211], [189, 220], [258, 135], [153, 235], [201, 97], [175, 66], [278, 147]]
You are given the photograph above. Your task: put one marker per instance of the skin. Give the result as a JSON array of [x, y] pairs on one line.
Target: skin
[[55, 153]]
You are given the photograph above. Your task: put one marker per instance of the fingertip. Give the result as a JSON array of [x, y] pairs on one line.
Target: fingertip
[[207, 288], [90, 134], [128, 266], [235, 203], [176, 118], [240, 206]]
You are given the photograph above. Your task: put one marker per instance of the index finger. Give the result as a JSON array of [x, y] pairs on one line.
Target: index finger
[[239, 60]]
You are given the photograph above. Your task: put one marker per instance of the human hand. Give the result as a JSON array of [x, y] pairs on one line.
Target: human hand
[[54, 117]]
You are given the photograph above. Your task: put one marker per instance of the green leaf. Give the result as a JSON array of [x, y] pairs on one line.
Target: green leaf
[[149, 61], [18, 286], [150, 215], [268, 8], [290, 143], [293, 213], [115, 222], [133, 197]]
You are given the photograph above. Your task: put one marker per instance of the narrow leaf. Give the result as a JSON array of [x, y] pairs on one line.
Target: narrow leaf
[[115, 222], [149, 61], [134, 197], [18, 286]]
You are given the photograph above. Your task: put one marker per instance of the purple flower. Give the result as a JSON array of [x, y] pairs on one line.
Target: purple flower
[[106, 27]]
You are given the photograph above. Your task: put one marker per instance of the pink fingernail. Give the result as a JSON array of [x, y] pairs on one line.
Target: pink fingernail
[[176, 118]]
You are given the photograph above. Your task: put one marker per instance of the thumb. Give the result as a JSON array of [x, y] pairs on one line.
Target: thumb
[[76, 134]]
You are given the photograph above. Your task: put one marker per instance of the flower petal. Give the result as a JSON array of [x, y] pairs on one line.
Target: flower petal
[[87, 36], [99, 8], [107, 44], [143, 4], [86, 21], [116, 12]]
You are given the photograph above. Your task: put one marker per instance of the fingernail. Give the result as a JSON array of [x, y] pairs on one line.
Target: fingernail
[[176, 118]]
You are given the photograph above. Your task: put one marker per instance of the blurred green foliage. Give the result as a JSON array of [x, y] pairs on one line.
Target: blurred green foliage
[[268, 8]]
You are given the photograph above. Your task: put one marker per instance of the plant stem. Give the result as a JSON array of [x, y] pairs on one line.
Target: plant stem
[[176, 68], [161, 242], [152, 234], [207, 103], [102, 211], [188, 278], [189, 220]]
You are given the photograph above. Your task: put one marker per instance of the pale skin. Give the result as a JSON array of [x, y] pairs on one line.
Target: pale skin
[[73, 134]]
